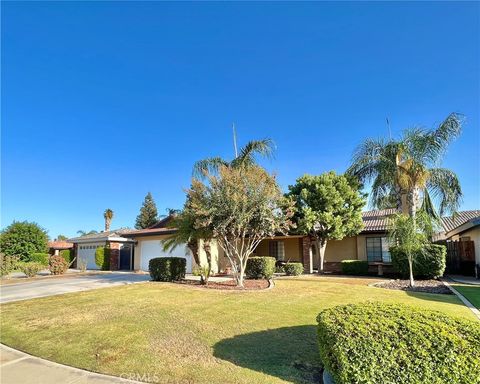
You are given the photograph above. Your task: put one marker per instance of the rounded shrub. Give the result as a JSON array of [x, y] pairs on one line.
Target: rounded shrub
[[102, 258], [41, 258], [354, 267], [167, 268], [58, 265], [260, 267], [396, 343], [67, 254], [30, 268], [429, 263], [293, 269]]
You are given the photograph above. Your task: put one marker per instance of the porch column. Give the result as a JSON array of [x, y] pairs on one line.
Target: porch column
[[307, 254]]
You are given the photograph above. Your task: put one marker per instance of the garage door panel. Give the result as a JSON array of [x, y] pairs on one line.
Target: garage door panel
[[153, 248], [86, 252]]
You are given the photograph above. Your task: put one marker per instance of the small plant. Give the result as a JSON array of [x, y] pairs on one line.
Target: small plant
[[428, 263], [102, 258], [39, 257], [355, 267], [82, 265], [167, 268], [203, 271], [293, 269], [30, 268], [7, 264], [58, 265], [260, 267]]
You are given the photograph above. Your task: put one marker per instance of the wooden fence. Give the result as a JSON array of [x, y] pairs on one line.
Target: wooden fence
[[460, 257]]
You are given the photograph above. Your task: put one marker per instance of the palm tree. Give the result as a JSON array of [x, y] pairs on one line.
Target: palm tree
[[83, 233], [405, 173], [187, 234], [245, 157], [108, 216]]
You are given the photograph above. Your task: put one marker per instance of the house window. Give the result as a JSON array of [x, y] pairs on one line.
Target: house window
[[277, 249], [377, 249]]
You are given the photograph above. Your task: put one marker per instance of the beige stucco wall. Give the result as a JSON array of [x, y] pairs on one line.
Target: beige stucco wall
[[291, 247], [338, 250]]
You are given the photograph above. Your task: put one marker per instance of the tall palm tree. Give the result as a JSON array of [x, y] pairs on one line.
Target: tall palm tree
[[245, 157], [108, 216], [405, 173]]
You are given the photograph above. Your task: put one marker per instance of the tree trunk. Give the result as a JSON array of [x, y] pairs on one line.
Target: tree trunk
[[193, 246], [321, 246], [413, 201], [208, 254], [410, 266], [240, 276]]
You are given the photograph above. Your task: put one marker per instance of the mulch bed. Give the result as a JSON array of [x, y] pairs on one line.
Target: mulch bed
[[250, 285], [428, 286]]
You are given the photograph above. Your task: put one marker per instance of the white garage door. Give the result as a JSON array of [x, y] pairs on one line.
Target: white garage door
[[86, 253], [152, 248]]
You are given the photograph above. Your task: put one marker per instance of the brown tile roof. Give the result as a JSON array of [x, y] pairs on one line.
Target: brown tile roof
[[376, 221], [103, 234], [149, 232], [60, 244], [451, 222]]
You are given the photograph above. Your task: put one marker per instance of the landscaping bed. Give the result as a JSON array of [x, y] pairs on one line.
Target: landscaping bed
[[426, 286], [249, 285]]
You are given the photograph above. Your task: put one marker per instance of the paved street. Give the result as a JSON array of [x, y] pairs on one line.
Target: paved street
[[58, 285]]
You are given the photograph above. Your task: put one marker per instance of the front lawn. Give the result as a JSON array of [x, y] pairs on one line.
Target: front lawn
[[471, 292], [172, 333]]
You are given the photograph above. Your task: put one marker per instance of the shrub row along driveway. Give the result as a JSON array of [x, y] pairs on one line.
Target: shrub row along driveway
[[58, 285], [172, 333]]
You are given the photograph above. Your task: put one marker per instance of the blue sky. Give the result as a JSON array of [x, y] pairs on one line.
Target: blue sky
[[105, 101]]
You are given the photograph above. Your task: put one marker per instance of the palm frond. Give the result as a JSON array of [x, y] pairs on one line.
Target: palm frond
[[444, 186], [208, 166], [247, 154]]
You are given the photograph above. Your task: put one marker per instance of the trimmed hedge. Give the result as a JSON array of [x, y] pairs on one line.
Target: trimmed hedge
[[67, 254], [39, 257], [260, 267], [58, 265], [102, 258], [167, 268], [355, 267], [429, 263], [30, 268], [396, 343], [293, 269]]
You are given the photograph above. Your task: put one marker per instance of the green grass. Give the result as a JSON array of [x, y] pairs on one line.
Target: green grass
[[171, 333], [471, 292]]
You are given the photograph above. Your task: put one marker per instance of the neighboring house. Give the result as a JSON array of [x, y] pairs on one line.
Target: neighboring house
[[54, 247], [121, 248]]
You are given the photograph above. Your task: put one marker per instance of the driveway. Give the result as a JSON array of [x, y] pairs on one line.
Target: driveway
[[59, 285]]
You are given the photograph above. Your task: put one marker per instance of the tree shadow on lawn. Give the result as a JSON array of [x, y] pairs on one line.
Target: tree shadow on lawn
[[289, 353]]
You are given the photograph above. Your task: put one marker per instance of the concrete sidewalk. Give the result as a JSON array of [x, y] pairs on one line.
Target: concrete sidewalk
[[20, 368]]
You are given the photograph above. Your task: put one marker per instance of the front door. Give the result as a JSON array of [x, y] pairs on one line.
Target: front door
[[126, 257]]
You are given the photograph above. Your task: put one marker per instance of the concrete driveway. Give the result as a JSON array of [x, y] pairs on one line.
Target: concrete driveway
[[58, 285]]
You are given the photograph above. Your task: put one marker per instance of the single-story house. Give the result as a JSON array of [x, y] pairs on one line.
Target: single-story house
[[137, 247]]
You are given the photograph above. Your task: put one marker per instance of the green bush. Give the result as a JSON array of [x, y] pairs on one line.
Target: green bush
[[396, 343], [260, 267], [67, 254], [7, 264], [429, 263], [58, 265], [21, 239], [41, 258], [293, 269], [102, 258], [355, 267], [167, 268], [30, 268]]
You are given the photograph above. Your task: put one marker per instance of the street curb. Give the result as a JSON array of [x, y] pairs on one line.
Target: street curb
[[89, 374], [465, 301]]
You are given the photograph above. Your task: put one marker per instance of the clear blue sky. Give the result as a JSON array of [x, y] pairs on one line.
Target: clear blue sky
[[103, 102]]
